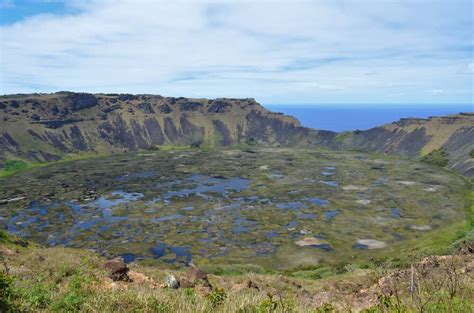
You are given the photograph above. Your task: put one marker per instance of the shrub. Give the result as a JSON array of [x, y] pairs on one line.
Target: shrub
[[216, 297], [438, 157], [14, 165], [7, 293], [326, 308], [4, 237], [266, 306], [341, 137], [251, 141], [196, 144]]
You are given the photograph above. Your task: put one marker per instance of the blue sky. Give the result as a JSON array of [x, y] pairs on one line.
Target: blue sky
[[287, 52]]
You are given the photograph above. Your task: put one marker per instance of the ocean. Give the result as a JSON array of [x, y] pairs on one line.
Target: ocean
[[339, 118]]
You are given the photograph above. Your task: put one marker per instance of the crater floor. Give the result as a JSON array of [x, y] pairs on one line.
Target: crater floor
[[275, 207]]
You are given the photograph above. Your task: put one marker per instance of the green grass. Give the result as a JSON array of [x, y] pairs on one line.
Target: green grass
[[341, 137], [438, 157], [13, 166], [72, 280]]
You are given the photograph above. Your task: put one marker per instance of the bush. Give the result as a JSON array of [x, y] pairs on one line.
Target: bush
[[4, 237], [7, 293], [471, 154], [196, 144], [266, 306], [251, 141], [216, 297], [438, 157], [341, 137], [14, 165]]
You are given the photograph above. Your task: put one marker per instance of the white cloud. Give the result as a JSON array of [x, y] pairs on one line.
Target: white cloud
[[298, 51], [470, 68]]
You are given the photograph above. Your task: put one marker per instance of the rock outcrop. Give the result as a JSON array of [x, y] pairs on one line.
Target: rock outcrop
[[117, 269]]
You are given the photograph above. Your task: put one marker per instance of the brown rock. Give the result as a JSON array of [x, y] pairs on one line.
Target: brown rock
[[195, 277], [118, 270], [7, 252]]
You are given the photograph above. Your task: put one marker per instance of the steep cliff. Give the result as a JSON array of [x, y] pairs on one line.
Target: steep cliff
[[415, 137], [45, 127]]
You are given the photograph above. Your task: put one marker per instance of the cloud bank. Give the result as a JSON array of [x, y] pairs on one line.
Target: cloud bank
[[277, 52]]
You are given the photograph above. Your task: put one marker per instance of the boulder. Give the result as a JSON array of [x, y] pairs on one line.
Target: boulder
[[218, 106], [146, 107], [118, 270], [79, 101], [171, 282], [166, 109], [195, 277]]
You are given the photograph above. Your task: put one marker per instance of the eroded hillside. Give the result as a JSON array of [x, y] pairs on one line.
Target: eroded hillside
[[45, 127], [417, 137]]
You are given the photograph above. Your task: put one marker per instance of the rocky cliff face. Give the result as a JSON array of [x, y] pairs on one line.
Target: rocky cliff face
[[414, 137], [45, 127]]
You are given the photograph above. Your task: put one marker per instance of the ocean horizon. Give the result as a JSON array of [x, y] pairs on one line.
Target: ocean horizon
[[347, 118]]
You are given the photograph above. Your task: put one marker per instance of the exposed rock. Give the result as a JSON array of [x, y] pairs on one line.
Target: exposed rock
[[15, 199], [372, 243], [141, 279], [431, 188], [352, 187], [195, 277], [406, 182], [249, 284], [7, 252], [118, 270], [146, 107], [421, 227], [80, 101], [171, 282], [225, 135], [467, 248], [219, 106], [127, 97], [165, 109], [191, 106], [310, 241]]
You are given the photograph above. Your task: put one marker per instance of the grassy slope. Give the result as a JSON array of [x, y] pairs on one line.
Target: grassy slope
[[60, 279]]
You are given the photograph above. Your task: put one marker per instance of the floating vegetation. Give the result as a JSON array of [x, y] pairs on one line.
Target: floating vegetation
[[206, 204]]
